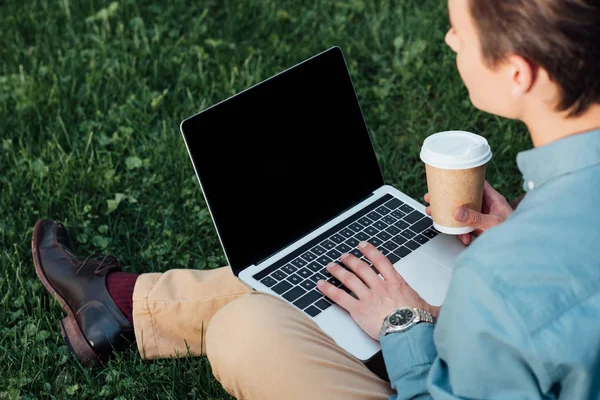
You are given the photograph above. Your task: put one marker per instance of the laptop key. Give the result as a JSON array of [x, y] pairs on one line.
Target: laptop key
[[328, 244], [397, 214], [298, 262], [289, 269], [430, 233], [422, 225], [352, 242], [370, 230], [392, 230], [383, 210], [413, 217], [318, 250], [278, 275], [282, 287], [346, 233], [323, 260], [389, 220], [334, 254], [393, 204], [380, 225], [399, 239], [408, 234], [393, 258], [315, 278], [356, 227], [312, 311], [314, 267], [305, 273], [294, 293], [356, 253], [294, 279], [334, 281], [362, 235], [374, 215], [323, 304], [406, 208], [391, 246], [337, 238], [375, 241], [268, 281], [402, 252], [411, 244], [384, 236], [421, 239], [401, 225], [308, 299], [308, 256], [364, 221], [308, 285], [344, 248]]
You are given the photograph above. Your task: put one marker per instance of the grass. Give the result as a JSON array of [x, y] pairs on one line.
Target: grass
[[91, 96]]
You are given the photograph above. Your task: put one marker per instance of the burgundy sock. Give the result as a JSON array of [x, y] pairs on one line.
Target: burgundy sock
[[120, 287]]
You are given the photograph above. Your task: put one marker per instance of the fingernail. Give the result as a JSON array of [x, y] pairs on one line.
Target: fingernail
[[330, 265], [343, 256], [320, 282], [362, 245], [460, 214]]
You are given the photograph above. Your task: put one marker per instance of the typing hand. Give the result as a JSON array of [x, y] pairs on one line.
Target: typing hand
[[376, 297], [494, 210]]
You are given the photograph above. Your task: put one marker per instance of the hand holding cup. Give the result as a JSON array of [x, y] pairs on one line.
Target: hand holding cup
[[495, 210]]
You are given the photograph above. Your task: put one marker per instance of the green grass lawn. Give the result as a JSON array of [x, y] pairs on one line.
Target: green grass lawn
[[91, 97]]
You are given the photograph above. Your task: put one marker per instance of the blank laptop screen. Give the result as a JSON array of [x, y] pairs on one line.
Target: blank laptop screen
[[283, 157]]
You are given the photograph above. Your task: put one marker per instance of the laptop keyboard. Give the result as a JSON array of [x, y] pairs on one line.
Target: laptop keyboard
[[392, 226]]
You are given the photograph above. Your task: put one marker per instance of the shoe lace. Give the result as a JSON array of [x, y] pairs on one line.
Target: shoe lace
[[103, 262]]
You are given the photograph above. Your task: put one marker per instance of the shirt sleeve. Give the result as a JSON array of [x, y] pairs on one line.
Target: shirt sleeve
[[479, 348], [408, 357], [484, 350]]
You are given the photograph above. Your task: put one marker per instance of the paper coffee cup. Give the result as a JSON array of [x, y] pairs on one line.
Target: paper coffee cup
[[455, 162]]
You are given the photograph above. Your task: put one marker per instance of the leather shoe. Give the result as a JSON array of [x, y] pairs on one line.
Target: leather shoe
[[94, 325]]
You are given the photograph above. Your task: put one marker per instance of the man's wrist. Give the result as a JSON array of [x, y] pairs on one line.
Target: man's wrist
[[424, 315]]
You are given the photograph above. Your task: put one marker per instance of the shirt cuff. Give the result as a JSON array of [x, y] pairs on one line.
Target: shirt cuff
[[403, 351]]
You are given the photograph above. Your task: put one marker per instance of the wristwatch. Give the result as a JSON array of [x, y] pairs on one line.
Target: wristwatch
[[402, 319]]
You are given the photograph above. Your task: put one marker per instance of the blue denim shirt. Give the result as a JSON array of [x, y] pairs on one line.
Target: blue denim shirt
[[521, 319]]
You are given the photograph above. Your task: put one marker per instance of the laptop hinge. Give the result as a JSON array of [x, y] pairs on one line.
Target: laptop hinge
[[325, 223]]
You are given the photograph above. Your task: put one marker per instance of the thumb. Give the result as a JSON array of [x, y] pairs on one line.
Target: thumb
[[475, 219]]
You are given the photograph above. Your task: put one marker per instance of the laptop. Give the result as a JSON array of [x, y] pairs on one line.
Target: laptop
[[291, 180]]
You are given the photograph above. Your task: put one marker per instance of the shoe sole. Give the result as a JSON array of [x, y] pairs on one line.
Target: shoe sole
[[71, 332]]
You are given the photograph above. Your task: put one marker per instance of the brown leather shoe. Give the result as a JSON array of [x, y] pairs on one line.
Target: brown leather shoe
[[94, 326]]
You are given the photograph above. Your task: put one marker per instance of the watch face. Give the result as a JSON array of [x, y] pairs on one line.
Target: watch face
[[401, 317]]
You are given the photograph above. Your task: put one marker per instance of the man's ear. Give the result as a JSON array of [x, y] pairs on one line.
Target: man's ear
[[523, 75]]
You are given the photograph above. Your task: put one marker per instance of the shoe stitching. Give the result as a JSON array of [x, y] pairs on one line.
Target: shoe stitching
[[59, 245]]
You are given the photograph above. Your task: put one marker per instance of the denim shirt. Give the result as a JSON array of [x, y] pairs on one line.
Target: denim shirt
[[521, 319]]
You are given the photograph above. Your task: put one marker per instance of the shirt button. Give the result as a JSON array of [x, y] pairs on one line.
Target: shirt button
[[531, 185]]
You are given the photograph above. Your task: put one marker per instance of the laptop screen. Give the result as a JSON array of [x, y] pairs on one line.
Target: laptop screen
[[280, 159]]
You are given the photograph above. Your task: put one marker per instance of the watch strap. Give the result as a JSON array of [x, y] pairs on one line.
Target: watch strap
[[425, 316]]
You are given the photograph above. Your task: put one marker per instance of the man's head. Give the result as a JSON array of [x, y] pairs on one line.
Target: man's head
[[515, 55]]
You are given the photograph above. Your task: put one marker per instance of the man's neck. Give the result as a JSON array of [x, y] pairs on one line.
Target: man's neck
[[546, 127]]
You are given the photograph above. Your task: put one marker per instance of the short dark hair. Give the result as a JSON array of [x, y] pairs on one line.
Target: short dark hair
[[561, 36]]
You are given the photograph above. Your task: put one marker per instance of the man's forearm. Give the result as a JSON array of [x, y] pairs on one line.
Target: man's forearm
[[408, 357]]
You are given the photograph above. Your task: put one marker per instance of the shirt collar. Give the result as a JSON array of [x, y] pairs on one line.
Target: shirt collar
[[561, 157]]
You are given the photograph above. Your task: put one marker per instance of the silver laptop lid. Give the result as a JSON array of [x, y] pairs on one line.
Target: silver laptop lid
[[281, 158]]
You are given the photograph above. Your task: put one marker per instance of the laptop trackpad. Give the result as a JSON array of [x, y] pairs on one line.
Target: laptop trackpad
[[426, 276]]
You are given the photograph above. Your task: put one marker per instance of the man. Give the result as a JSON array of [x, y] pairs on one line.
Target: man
[[520, 319]]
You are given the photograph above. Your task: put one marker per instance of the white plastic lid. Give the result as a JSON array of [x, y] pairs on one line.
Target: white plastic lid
[[455, 150]]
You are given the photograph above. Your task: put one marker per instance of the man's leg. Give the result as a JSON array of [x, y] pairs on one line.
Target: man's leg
[[261, 347], [169, 312], [172, 310]]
